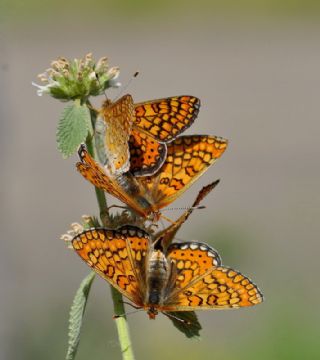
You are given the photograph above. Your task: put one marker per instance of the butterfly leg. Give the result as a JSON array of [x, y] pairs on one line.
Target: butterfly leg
[[138, 308], [134, 306]]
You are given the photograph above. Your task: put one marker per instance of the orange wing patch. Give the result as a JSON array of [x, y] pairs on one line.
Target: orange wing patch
[[165, 119], [196, 278], [202, 283], [116, 255], [191, 260], [92, 171], [221, 288], [155, 122], [146, 154], [124, 186], [187, 159]]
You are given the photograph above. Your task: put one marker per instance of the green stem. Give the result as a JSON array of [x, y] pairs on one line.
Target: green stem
[[101, 198], [122, 325], [121, 320]]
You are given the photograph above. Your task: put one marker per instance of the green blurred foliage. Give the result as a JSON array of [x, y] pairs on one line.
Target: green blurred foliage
[[285, 336], [97, 10]]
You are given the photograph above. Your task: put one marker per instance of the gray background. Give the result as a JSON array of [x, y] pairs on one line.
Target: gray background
[[258, 78]]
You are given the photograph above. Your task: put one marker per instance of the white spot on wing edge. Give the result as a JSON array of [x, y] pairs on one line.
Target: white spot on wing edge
[[184, 246]]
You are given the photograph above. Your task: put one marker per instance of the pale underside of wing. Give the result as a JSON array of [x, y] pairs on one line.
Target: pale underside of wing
[[114, 134]]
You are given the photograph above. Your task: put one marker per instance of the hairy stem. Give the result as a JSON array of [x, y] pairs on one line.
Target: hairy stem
[[119, 311]]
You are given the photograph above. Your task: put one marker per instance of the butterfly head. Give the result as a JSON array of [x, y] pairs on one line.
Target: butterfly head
[[107, 102], [152, 312]]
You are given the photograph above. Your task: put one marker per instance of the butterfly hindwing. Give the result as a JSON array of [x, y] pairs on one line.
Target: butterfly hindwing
[[112, 134], [146, 154], [203, 283]]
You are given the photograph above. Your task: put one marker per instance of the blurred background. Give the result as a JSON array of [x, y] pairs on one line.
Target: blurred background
[[255, 67]]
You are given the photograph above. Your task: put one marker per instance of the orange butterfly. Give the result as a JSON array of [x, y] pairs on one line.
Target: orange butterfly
[[187, 276], [133, 136], [187, 159]]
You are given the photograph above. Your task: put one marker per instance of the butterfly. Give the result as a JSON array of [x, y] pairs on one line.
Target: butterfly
[[133, 136], [188, 157], [188, 276]]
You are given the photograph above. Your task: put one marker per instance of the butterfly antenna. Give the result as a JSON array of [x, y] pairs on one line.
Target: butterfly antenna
[[170, 316], [127, 85], [186, 208], [104, 91]]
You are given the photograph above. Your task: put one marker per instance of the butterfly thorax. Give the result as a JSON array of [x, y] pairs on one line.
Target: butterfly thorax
[[157, 276]]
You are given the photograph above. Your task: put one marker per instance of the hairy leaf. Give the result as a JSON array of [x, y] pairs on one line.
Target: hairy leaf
[[73, 128], [76, 315]]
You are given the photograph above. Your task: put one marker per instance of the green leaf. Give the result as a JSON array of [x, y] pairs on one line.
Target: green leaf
[[73, 128], [187, 322], [76, 315]]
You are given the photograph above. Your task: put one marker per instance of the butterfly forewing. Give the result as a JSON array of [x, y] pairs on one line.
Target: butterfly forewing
[[123, 187], [118, 256], [133, 136], [187, 159], [165, 119]]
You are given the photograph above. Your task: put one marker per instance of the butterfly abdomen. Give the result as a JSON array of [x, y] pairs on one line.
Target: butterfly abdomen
[[157, 278]]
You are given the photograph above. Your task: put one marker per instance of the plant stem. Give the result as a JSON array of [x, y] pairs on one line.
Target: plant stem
[[121, 321], [122, 326]]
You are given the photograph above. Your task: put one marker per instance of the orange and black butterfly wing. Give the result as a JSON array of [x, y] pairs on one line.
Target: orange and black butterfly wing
[[201, 282], [112, 132], [146, 154], [92, 171], [165, 119], [188, 157], [118, 256], [123, 187]]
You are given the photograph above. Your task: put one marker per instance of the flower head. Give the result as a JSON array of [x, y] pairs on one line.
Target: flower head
[[78, 78]]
